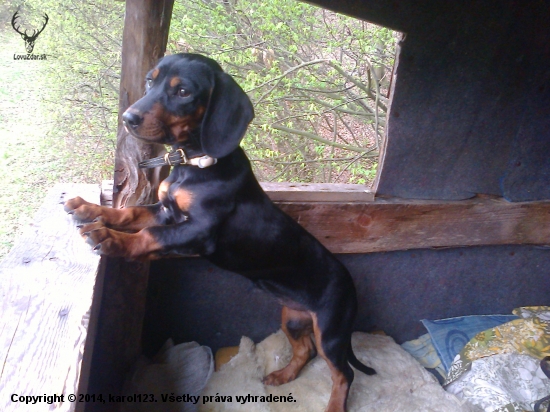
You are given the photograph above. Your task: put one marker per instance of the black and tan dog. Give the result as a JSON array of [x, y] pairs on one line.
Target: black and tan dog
[[212, 205]]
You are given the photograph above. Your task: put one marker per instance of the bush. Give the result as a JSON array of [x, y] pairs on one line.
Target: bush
[[318, 81]]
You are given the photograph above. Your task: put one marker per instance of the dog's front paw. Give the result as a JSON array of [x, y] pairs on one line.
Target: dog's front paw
[[104, 241], [109, 242], [86, 228], [82, 210]]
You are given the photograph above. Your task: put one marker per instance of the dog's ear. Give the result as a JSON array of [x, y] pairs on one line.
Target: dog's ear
[[227, 117]]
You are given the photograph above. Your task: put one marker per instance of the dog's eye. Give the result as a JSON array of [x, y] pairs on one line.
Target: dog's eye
[[148, 82], [182, 92]]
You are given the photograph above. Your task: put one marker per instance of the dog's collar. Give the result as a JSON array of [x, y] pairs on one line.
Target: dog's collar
[[178, 157]]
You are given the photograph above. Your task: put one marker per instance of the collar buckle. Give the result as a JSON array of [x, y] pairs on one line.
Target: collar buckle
[[178, 157], [184, 160]]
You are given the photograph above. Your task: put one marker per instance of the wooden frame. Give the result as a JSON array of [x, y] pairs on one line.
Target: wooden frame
[[346, 219], [121, 303], [47, 282], [397, 224]]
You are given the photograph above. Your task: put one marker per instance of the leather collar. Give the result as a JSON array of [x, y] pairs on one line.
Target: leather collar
[[178, 157]]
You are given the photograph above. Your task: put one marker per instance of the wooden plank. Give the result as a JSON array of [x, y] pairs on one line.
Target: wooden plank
[[117, 346], [291, 192], [46, 287], [107, 193], [397, 224], [317, 192], [87, 357], [119, 309], [346, 224]]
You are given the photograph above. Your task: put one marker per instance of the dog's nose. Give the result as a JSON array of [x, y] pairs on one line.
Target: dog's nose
[[131, 119]]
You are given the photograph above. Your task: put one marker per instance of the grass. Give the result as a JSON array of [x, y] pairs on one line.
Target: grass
[[32, 156]]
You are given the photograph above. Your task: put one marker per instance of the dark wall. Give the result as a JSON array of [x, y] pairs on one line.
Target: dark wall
[[190, 299], [470, 114], [471, 104]]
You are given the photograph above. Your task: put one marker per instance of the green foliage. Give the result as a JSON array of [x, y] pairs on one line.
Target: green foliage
[[57, 116], [313, 76], [318, 81], [82, 42]]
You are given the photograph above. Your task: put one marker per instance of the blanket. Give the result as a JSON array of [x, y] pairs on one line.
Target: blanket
[[401, 383]]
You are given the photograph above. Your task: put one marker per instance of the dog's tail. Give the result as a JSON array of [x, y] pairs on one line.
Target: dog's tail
[[352, 359]]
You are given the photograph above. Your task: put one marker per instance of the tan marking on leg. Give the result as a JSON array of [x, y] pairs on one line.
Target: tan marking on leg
[[130, 218], [163, 189], [184, 199], [82, 209], [340, 385], [302, 347], [143, 243], [85, 229]]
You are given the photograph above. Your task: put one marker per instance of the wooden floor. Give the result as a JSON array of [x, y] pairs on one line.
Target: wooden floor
[[46, 287]]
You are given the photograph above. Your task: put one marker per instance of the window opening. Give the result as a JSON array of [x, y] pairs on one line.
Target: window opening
[[319, 82]]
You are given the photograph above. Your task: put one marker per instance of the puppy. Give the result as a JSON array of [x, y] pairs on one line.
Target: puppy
[[212, 205]]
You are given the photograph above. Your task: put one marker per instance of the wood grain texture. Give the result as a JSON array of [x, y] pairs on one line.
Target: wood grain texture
[[46, 286], [395, 224], [320, 192], [346, 219], [117, 345], [117, 314], [146, 25]]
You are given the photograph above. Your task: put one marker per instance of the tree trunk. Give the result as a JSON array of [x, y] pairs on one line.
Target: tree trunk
[[146, 26]]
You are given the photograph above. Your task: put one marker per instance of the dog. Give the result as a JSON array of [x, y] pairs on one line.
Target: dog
[[212, 205]]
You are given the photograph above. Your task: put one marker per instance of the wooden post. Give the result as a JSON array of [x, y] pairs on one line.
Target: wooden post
[[120, 306], [146, 26]]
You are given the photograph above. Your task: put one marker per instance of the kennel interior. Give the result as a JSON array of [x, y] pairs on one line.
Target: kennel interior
[[461, 219]]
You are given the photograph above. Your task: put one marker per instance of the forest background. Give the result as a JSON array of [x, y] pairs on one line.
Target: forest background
[[319, 82]]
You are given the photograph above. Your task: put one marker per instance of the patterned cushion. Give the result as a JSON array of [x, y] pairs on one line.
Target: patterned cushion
[[450, 335]]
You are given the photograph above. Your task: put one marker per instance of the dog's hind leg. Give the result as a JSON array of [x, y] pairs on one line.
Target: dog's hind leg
[[298, 328], [332, 338]]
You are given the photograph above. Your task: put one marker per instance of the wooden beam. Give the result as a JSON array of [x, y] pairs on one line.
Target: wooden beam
[[117, 344], [290, 192], [397, 224], [347, 219], [146, 26], [116, 322], [46, 286], [405, 15], [317, 192], [145, 35]]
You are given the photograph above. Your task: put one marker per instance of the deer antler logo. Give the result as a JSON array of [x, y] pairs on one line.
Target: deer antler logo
[[29, 40]]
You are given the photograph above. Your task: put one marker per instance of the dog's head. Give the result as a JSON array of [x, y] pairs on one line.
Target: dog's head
[[189, 100]]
